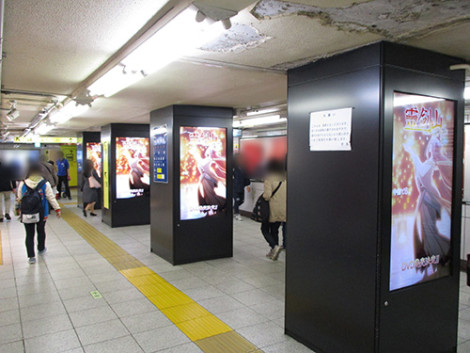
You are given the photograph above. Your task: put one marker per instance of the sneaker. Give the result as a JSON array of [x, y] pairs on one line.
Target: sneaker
[[276, 251], [270, 253], [238, 217], [93, 214], [42, 252], [7, 216], [32, 260]]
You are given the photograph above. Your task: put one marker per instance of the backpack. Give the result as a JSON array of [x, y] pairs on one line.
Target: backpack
[[261, 210], [32, 210]]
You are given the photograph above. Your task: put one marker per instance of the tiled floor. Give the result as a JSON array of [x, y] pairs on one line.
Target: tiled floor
[[47, 307]]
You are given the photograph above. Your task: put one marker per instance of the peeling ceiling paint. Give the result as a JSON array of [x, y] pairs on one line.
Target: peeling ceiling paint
[[240, 37], [392, 19]]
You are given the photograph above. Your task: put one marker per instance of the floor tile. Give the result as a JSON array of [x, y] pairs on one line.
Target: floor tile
[[162, 338], [184, 348], [263, 334], [39, 327], [9, 317], [126, 344], [133, 307], [101, 332], [55, 342], [10, 333], [241, 317], [92, 316], [221, 304], [83, 303], [146, 322], [14, 347]]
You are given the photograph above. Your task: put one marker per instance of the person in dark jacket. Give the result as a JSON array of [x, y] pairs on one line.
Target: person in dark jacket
[[7, 186], [240, 181], [89, 188]]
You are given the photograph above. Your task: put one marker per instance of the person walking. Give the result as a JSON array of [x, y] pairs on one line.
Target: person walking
[[275, 191], [240, 181], [33, 195], [7, 186], [91, 182], [63, 175]]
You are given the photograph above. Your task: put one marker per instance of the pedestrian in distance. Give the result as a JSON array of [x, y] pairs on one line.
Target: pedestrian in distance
[[240, 181], [91, 182], [63, 176], [275, 192], [7, 187], [34, 196]]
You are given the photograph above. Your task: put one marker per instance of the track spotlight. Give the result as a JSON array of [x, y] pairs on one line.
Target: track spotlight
[[227, 23], [13, 114], [200, 16]]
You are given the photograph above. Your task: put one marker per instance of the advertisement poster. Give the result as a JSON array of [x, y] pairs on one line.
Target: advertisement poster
[[258, 152], [202, 171], [160, 157], [423, 143], [93, 152], [106, 174], [132, 167]]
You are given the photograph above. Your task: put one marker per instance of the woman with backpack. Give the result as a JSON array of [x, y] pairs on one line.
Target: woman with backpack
[[90, 186], [275, 192], [33, 194]]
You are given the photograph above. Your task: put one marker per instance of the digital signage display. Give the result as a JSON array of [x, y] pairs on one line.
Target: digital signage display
[[93, 152], [422, 181], [132, 167], [202, 172]]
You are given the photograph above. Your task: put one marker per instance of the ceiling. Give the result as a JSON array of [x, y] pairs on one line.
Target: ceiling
[[51, 47]]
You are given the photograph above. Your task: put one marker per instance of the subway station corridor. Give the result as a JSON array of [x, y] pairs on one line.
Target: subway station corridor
[[74, 300], [49, 307]]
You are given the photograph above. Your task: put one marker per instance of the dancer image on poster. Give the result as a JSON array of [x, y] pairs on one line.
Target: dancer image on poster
[[211, 188], [433, 199], [139, 168], [132, 167]]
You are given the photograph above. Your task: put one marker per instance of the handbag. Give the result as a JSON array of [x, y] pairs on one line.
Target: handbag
[[94, 184], [261, 210]]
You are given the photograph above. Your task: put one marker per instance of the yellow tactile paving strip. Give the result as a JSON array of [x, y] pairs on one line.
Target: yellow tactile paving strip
[[206, 330]]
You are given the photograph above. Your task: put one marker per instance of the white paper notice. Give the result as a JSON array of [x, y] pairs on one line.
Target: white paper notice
[[330, 130]]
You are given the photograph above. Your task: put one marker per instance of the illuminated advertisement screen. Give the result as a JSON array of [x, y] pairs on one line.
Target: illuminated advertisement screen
[[132, 167], [423, 144], [93, 152], [202, 172]]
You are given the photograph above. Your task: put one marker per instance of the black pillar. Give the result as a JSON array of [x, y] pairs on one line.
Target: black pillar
[[88, 147], [191, 214], [345, 289], [125, 164]]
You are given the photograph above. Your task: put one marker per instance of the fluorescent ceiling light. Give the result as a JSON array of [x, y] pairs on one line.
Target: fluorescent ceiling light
[[113, 81], [261, 111], [174, 40], [43, 129], [267, 120], [413, 99], [70, 110], [466, 94]]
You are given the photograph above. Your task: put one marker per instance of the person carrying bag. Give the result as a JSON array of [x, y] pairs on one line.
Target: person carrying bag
[[270, 208], [33, 196]]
